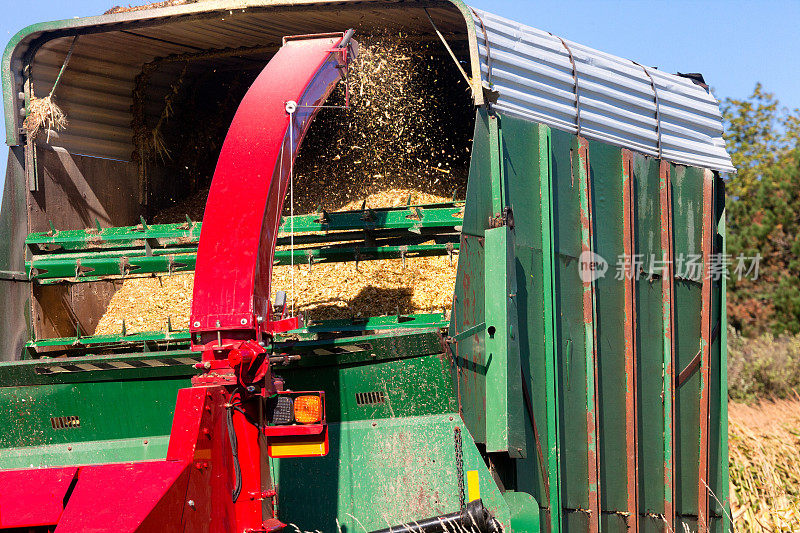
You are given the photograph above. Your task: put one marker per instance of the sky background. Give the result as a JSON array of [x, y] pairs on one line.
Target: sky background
[[734, 44]]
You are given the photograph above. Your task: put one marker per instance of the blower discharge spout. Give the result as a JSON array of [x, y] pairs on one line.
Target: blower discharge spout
[[231, 299]]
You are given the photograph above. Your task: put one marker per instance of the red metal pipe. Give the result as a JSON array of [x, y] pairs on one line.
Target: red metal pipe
[[231, 299]]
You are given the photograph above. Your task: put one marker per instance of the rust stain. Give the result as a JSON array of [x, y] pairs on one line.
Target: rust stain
[[667, 294], [631, 406], [705, 346], [587, 239]]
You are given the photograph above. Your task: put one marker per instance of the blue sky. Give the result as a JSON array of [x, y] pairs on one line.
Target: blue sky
[[733, 43]]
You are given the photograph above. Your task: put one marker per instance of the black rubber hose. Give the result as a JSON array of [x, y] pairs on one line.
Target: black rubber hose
[[237, 487], [475, 519]]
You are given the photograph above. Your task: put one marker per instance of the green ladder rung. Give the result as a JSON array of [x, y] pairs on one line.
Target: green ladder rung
[[88, 267], [168, 235]]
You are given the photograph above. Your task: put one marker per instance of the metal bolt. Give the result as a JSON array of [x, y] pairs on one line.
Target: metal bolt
[[190, 503], [197, 324], [243, 321], [145, 441], [259, 319], [207, 365]]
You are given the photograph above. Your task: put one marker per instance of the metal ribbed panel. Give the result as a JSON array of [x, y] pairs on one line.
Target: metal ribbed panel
[[615, 100]]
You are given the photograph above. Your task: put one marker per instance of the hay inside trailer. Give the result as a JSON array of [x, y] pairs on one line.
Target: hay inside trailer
[[406, 138]]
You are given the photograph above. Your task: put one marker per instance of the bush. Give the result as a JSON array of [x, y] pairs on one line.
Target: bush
[[763, 367]]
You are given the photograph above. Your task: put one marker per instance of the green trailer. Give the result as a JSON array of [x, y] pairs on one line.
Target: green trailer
[[578, 382]]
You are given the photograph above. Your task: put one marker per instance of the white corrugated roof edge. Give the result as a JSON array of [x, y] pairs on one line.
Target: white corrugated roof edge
[[572, 87]]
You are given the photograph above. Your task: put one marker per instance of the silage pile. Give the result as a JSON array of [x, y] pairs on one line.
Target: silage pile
[[764, 442], [321, 292]]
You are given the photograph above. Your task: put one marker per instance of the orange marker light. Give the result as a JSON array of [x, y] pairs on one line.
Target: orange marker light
[[307, 409]]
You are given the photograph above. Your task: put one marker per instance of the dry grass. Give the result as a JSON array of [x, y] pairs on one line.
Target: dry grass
[[44, 115], [763, 367], [765, 466]]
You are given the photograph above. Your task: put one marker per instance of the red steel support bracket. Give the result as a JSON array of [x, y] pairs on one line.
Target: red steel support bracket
[[231, 299]]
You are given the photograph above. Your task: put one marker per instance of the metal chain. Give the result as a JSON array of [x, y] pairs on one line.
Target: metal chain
[[459, 467]]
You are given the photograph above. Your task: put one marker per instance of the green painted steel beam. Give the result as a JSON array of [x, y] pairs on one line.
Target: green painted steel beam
[[115, 367], [85, 267], [412, 218], [174, 339], [505, 423], [549, 299]]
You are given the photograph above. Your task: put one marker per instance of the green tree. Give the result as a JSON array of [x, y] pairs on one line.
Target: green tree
[[764, 211]]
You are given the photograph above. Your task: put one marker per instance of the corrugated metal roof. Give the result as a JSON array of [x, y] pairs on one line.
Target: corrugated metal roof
[[572, 87], [96, 91]]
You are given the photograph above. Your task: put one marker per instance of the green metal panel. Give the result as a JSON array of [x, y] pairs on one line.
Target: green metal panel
[[687, 183], [570, 335], [144, 448], [551, 373], [723, 471], [524, 510], [411, 386], [526, 164], [478, 206], [504, 416], [107, 410], [651, 342], [607, 194], [381, 473], [468, 312]]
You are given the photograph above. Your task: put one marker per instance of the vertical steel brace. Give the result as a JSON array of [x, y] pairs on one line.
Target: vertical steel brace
[[550, 351], [705, 350], [631, 343], [590, 332], [668, 317]]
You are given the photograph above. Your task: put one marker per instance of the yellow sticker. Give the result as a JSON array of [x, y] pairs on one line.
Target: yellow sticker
[[473, 486]]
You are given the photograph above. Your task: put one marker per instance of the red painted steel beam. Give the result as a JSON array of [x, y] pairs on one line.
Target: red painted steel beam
[[631, 347], [668, 318], [34, 498], [237, 244], [705, 351]]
